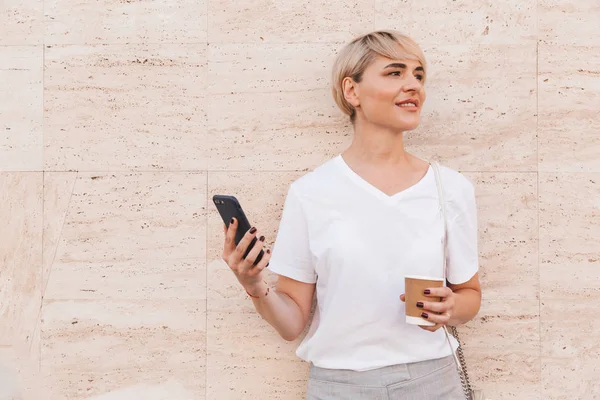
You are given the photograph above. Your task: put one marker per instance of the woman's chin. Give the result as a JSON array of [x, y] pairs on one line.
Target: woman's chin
[[406, 125]]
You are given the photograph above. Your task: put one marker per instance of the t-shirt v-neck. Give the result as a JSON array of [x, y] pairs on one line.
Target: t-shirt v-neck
[[365, 185]]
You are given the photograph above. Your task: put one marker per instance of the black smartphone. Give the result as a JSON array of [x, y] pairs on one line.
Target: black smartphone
[[229, 207]]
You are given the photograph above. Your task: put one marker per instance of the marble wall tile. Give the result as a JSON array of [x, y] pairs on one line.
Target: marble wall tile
[[21, 107], [21, 22], [480, 113], [170, 389], [283, 21], [94, 347], [569, 232], [506, 375], [125, 107], [58, 190], [502, 346], [508, 234], [519, 319], [569, 348], [110, 21], [269, 101], [275, 131], [571, 378], [20, 256], [253, 68], [565, 22], [569, 328], [466, 22], [569, 127], [11, 385], [246, 357], [20, 371], [133, 236]]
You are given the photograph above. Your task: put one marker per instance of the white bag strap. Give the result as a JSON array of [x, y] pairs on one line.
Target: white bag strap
[[440, 189], [442, 201]]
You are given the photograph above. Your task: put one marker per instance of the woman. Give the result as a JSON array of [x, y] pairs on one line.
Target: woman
[[354, 227]]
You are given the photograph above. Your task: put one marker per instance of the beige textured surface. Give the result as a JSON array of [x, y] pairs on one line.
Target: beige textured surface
[[565, 22], [125, 107], [119, 120], [21, 22], [569, 233], [132, 236], [21, 108], [569, 257], [257, 68], [566, 379], [503, 347], [91, 347], [477, 118], [20, 372], [114, 21], [288, 21], [262, 131], [58, 191], [460, 22], [569, 127], [508, 234], [20, 256], [557, 316]]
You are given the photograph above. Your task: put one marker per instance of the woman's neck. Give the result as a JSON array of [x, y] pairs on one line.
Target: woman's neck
[[377, 146]]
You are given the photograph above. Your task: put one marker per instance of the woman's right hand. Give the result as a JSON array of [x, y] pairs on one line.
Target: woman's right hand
[[248, 274]]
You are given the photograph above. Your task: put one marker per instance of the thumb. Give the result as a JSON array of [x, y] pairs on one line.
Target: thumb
[[230, 236], [403, 297]]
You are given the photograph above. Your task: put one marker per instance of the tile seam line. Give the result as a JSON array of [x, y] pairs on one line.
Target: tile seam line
[[45, 284], [201, 171], [537, 137]]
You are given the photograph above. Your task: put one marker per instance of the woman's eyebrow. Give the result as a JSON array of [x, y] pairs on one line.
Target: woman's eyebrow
[[401, 66]]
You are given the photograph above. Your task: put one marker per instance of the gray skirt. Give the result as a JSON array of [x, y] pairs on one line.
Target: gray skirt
[[426, 380]]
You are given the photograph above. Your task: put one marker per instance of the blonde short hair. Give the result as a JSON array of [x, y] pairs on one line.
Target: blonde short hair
[[356, 56]]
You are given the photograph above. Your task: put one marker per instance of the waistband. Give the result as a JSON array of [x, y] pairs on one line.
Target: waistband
[[380, 377]]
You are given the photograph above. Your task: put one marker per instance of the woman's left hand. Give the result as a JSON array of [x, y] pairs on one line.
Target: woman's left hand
[[439, 312]]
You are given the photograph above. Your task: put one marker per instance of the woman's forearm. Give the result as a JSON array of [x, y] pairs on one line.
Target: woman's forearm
[[279, 310], [466, 307]]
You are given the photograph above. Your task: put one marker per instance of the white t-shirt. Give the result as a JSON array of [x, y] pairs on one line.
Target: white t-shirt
[[357, 244]]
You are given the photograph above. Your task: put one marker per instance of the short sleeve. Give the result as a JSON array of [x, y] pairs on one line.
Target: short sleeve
[[463, 255], [291, 253]]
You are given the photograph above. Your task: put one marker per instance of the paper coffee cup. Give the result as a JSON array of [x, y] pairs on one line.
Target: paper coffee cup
[[415, 286]]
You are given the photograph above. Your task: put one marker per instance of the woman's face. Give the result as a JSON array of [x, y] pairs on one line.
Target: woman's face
[[391, 93]]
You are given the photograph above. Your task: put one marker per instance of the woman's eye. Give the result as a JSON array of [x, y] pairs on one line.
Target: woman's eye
[[420, 77], [395, 73]]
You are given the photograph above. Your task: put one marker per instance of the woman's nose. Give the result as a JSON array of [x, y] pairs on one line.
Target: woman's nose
[[412, 84]]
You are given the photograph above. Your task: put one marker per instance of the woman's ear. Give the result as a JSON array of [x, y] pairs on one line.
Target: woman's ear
[[351, 91]]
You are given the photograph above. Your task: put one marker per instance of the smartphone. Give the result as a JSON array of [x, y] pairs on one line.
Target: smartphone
[[229, 207]]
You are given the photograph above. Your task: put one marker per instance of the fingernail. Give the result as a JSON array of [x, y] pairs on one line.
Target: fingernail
[[427, 291], [262, 238], [253, 231], [424, 315], [232, 221], [420, 304], [268, 251]]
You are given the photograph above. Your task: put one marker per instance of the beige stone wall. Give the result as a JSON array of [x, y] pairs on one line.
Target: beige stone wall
[[120, 119]]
